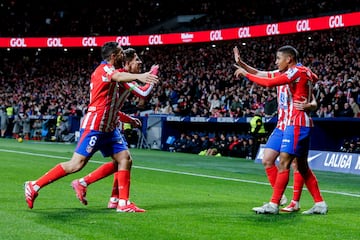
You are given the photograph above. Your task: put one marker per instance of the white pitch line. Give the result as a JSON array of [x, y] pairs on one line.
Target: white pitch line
[[177, 172]]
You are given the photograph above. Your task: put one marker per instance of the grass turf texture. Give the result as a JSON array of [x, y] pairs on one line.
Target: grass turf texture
[[186, 197]]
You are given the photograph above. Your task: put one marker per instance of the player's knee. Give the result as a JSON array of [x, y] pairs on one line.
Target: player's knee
[[267, 163]]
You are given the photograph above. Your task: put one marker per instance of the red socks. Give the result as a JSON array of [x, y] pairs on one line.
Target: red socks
[[313, 187], [271, 174], [282, 180], [101, 172], [124, 184], [298, 185], [115, 189], [54, 174]]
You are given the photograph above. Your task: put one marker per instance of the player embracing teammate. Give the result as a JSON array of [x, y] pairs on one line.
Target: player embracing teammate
[[109, 86], [296, 134]]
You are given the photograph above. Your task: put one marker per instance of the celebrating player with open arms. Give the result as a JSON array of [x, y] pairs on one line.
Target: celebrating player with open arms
[[272, 147], [296, 135]]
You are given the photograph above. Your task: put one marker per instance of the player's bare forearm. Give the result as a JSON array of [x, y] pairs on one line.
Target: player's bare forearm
[[142, 77]]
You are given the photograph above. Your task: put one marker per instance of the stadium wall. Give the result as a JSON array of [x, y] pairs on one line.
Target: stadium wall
[[327, 135], [341, 162]]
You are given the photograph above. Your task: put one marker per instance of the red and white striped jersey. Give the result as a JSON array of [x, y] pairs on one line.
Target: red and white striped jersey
[[299, 80], [283, 92], [107, 97]]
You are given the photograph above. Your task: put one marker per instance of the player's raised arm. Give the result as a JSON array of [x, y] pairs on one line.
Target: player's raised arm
[[263, 81], [142, 77], [247, 67], [142, 91]]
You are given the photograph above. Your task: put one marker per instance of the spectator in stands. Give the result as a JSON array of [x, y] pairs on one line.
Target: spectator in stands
[[4, 121], [357, 148], [235, 146], [336, 111], [270, 107], [36, 130], [17, 126], [180, 144], [355, 107], [347, 111], [325, 112], [26, 126], [167, 109]]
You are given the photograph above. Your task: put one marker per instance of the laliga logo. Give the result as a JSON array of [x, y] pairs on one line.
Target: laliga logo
[[272, 29], [89, 42], [244, 32], [303, 26], [123, 41], [155, 40], [215, 35], [17, 42], [54, 42], [336, 21]]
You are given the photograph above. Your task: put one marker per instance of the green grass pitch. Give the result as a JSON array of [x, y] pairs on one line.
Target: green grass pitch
[[186, 197]]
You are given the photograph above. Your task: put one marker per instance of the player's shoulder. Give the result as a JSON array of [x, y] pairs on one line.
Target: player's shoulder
[[292, 71], [314, 78]]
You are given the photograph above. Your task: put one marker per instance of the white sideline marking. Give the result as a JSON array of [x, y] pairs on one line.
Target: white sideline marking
[[178, 172]]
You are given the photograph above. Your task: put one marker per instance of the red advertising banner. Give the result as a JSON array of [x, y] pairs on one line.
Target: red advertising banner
[[302, 25]]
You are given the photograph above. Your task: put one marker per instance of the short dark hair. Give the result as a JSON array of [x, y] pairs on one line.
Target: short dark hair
[[109, 48], [129, 54], [290, 50]]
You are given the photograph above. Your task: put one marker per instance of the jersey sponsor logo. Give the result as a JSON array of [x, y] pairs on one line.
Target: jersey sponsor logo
[[283, 100]]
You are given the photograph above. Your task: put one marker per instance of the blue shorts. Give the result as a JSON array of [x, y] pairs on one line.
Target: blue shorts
[[274, 141], [108, 143], [296, 140]]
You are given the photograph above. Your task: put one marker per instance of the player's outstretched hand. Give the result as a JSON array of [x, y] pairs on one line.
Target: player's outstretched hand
[[154, 69], [240, 72], [148, 78], [236, 54], [135, 122]]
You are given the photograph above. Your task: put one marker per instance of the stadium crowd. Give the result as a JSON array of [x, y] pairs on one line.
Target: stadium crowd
[[196, 79], [60, 18]]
